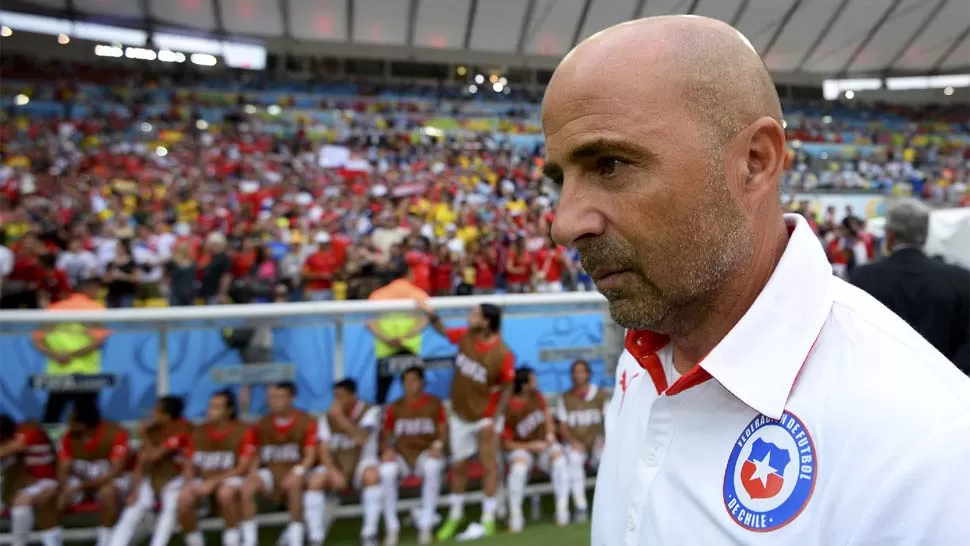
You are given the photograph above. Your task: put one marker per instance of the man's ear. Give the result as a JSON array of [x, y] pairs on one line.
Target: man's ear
[[764, 148]]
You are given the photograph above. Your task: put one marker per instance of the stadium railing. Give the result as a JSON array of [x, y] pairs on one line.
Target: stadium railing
[[320, 343]]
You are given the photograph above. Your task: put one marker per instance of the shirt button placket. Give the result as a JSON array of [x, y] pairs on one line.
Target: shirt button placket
[[658, 436]]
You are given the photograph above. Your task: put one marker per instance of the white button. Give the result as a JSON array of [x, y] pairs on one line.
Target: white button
[[650, 459], [631, 521]]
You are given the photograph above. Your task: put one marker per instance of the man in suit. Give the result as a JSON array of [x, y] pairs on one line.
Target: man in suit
[[933, 297]]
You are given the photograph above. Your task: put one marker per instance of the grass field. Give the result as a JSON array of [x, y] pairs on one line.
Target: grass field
[[537, 533], [541, 533]]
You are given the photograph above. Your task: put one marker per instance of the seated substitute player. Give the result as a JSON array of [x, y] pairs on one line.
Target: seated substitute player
[[158, 473], [484, 369], [580, 416], [93, 465], [413, 441], [219, 456], [530, 438], [287, 440], [29, 481], [349, 432]]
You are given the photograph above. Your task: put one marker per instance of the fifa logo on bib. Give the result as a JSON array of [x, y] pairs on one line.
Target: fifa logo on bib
[[770, 474]]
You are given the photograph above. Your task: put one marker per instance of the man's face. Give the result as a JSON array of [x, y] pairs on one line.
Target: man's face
[[218, 410], [476, 321], [643, 193], [413, 385], [343, 398], [580, 375], [279, 400], [76, 428], [161, 417]]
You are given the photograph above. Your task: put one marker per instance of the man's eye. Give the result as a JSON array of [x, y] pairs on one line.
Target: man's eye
[[607, 166]]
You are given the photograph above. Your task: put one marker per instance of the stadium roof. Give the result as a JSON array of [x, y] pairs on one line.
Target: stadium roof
[[823, 37]]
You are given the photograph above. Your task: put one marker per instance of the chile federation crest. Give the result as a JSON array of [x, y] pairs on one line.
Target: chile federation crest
[[770, 474]]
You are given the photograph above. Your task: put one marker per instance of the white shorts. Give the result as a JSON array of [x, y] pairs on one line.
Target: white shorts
[[146, 495], [592, 459], [36, 488], [463, 436], [123, 483], [231, 481], [404, 470], [358, 478], [544, 459]]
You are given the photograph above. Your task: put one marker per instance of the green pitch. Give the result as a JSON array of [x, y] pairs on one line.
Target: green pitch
[[347, 533], [535, 533]]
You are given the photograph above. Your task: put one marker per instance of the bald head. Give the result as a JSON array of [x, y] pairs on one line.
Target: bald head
[[714, 69], [665, 136]]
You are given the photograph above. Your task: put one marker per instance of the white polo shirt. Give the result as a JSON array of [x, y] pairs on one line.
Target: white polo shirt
[[820, 419]]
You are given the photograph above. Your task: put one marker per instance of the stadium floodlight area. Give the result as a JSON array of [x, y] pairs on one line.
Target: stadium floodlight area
[[834, 89], [234, 54]]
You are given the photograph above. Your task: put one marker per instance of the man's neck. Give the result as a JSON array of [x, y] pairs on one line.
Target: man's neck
[[725, 307]]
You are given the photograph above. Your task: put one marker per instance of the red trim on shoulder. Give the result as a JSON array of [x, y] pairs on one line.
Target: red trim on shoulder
[[454, 334], [249, 443], [507, 374], [389, 419], [310, 439], [65, 453]]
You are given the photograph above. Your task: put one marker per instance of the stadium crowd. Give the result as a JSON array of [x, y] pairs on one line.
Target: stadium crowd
[[169, 208]]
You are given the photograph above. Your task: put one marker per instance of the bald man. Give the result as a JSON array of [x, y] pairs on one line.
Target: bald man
[[760, 400]]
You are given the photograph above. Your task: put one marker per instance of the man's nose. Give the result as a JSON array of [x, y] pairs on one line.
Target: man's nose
[[577, 215]]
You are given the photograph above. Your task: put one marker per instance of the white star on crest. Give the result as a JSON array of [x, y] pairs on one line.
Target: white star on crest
[[762, 469]]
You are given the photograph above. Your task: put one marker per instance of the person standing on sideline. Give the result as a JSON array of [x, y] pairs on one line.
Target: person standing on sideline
[[73, 349], [397, 333], [480, 389], [664, 136], [932, 297]]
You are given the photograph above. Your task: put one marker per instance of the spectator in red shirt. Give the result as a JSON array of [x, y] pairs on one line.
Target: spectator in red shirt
[[242, 261], [550, 263], [420, 261], [20, 287], [319, 270], [442, 273], [518, 268], [54, 285], [486, 268]]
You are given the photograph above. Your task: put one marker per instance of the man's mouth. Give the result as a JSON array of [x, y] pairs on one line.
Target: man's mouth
[[607, 278]]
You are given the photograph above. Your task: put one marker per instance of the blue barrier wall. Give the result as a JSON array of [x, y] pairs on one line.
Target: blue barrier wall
[[192, 354]]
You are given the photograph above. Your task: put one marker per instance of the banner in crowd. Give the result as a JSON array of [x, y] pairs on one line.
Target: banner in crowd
[[195, 357]]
